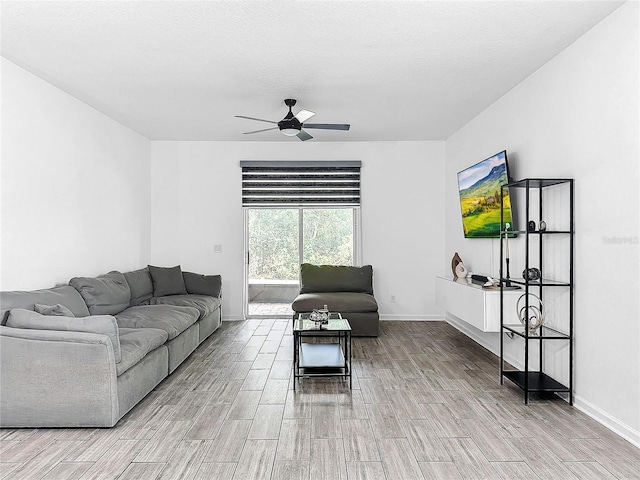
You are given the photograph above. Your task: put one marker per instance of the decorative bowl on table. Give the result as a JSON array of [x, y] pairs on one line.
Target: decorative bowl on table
[[320, 317]]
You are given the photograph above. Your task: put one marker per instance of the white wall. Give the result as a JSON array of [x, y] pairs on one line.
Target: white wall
[[75, 187], [577, 117], [196, 203]]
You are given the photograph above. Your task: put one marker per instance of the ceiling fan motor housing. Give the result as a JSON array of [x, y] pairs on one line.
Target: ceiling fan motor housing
[[290, 122]]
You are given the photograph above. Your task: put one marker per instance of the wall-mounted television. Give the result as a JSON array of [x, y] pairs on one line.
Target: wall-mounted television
[[479, 188]]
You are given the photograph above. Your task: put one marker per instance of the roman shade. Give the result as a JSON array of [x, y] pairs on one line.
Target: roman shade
[[292, 183]]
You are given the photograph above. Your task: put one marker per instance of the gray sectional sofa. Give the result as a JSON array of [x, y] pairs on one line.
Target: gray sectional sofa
[[84, 354], [344, 289]]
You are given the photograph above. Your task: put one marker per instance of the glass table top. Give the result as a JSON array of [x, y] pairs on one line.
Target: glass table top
[[336, 323]]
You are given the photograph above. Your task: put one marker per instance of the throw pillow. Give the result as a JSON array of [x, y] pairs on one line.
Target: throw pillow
[[57, 310], [106, 294], [102, 324], [203, 284], [167, 281], [141, 286]]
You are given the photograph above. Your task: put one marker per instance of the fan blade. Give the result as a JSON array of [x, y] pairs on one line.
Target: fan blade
[[304, 115], [258, 119], [328, 126], [258, 131], [304, 136]]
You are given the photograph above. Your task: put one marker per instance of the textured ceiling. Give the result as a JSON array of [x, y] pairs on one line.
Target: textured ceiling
[[181, 70]]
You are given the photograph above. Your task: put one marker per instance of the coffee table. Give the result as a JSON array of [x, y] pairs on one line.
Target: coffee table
[[321, 359]]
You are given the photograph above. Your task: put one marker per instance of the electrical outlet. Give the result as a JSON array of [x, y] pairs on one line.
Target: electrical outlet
[[393, 299], [217, 248]]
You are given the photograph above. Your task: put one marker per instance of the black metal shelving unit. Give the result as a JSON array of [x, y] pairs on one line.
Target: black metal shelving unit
[[535, 192]]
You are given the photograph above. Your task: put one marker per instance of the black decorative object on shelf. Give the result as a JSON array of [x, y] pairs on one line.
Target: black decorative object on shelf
[[528, 322], [531, 274], [479, 279], [507, 280]]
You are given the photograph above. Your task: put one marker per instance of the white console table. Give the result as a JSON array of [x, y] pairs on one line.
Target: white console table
[[472, 304]]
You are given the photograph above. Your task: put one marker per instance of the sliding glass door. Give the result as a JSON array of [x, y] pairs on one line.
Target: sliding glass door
[[278, 240], [272, 256]]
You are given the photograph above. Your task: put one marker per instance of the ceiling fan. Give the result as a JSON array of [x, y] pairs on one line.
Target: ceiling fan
[[292, 124]]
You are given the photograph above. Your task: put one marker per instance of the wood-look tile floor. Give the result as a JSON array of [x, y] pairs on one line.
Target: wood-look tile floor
[[426, 404]]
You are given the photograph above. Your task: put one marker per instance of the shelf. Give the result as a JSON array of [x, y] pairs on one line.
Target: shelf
[[538, 382], [321, 355], [537, 182], [544, 333], [536, 232], [466, 282], [536, 283], [336, 324], [552, 247], [473, 304]]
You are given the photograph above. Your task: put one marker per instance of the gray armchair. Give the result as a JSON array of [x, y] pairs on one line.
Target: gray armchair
[[344, 289]]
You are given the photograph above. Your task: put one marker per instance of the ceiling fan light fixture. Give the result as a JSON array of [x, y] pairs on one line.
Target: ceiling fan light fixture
[[290, 132]]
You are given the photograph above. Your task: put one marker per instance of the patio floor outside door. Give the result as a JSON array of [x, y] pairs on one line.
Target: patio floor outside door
[[275, 309]]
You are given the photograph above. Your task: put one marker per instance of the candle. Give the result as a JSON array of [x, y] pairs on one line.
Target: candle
[[506, 238]]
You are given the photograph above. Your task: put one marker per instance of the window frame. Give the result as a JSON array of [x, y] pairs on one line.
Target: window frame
[[357, 244]]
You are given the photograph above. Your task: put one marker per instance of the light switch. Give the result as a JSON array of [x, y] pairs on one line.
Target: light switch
[[217, 248]]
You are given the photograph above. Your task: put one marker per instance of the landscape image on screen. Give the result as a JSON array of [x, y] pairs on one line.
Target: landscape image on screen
[[479, 187]]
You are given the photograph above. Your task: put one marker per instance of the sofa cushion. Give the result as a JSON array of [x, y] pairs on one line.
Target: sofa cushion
[[336, 278], [204, 303], [104, 295], [172, 319], [167, 281], [64, 295], [102, 324], [342, 302], [136, 343], [203, 284], [56, 309], [140, 285]]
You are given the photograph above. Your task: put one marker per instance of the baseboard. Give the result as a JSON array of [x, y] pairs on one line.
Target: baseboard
[[602, 417], [393, 317], [231, 318], [599, 415]]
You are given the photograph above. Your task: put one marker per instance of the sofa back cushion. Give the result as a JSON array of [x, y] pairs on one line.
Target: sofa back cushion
[[203, 284], [65, 295], [140, 285], [336, 278], [102, 324], [104, 295]]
